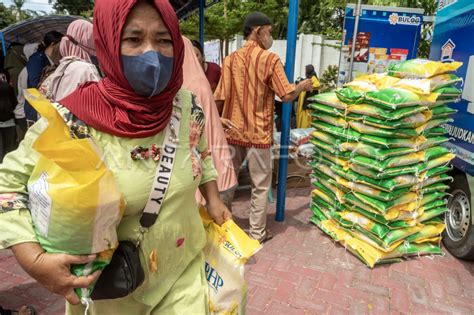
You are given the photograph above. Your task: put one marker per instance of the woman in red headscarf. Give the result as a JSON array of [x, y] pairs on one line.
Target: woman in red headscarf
[[127, 115]]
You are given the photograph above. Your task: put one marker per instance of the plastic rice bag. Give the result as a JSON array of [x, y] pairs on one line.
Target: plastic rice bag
[[75, 203], [426, 86], [422, 68], [227, 250], [329, 99]]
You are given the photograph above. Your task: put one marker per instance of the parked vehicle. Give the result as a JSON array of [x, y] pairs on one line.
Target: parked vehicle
[[454, 26]]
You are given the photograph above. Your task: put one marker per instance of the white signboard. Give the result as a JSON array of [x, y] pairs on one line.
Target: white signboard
[[212, 51]]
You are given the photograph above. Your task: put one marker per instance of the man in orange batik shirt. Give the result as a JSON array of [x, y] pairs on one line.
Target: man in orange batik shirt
[[251, 76]]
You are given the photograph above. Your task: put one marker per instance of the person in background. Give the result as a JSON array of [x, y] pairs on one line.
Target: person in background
[[303, 109], [2, 58], [193, 80], [140, 48], [24, 310], [75, 68], [15, 61], [7, 118], [19, 112], [250, 79], [211, 69], [47, 55]]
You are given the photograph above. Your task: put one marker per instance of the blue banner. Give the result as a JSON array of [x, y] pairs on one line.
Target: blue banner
[[385, 35], [452, 40]]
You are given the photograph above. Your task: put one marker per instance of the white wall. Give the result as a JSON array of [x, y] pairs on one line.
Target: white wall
[[310, 49]]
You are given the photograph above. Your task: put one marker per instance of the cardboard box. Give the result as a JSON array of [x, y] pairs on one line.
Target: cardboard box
[[298, 172]]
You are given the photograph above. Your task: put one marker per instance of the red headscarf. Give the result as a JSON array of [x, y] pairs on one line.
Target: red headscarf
[[111, 105]]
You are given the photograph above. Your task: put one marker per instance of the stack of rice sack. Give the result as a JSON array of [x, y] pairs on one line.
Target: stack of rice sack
[[379, 166]]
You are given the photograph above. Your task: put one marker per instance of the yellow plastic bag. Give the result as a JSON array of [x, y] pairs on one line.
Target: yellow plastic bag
[[227, 250], [75, 203], [316, 83]]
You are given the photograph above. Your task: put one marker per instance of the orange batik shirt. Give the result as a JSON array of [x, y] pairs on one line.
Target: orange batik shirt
[[250, 78]]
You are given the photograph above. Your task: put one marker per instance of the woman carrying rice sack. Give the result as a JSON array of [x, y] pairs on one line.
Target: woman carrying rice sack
[[140, 49]]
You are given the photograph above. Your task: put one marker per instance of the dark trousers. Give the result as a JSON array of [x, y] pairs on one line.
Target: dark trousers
[[7, 141]]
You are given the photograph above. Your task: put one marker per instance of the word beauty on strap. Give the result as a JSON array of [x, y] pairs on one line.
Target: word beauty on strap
[[163, 173]]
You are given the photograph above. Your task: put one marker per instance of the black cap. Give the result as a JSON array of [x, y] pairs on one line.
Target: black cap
[[256, 19]]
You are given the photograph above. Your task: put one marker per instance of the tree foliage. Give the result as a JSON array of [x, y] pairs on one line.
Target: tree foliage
[[224, 20], [74, 7], [7, 16]]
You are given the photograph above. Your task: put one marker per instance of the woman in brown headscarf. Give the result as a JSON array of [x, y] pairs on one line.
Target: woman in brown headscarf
[[126, 115]]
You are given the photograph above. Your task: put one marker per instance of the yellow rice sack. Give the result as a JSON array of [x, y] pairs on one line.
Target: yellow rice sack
[[421, 68]]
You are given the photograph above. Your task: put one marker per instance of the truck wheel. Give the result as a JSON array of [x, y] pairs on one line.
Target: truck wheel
[[458, 236]]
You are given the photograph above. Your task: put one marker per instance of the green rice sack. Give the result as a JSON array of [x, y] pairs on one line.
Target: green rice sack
[[336, 131], [318, 212], [381, 206], [427, 231], [435, 132], [438, 187], [391, 165], [385, 174], [412, 121], [443, 111], [324, 145], [380, 219], [367, 190], [392, 98], [408, 249], [435, 172], [387, 185], [432, 213], [387, 114], [329, 99], [387, 133], [324, 169], [359, 148], [350, 96], [448, 93], [390, 143], [442, 160], [326, 109], [434, 123], [388, 242], [350, 219], [335, 121]]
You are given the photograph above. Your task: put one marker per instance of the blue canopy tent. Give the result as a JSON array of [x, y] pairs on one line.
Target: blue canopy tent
[[33, 30]]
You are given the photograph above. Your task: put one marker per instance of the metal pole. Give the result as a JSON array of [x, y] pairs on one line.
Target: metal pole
[[202, 4], [354, 36], [4, 47], [286, 112]]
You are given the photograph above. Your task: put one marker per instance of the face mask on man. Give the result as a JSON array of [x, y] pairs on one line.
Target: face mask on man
[[265, 39], [148, 74]]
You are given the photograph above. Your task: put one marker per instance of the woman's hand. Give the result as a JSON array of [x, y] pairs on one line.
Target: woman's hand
[[53, 270], [218, 212], [215, 207]]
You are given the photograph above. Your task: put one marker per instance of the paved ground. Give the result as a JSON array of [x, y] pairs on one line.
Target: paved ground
[[301, 271]]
